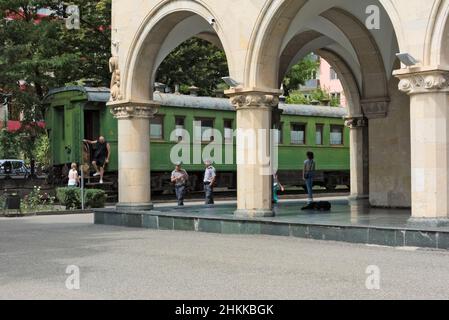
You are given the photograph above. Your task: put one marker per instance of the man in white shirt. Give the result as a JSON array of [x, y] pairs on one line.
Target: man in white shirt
[[209, 181]]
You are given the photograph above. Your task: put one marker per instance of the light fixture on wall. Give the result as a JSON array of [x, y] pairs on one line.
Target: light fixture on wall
[[407, 59], [231, 82]]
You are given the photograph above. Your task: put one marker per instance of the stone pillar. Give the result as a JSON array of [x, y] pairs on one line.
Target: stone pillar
[[359, 156], [254, 154], [134, 154], [429, 112]]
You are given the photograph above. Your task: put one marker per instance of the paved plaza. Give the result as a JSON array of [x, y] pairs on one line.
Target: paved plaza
[[127, 263]]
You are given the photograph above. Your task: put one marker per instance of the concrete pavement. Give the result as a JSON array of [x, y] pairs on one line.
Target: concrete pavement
[[123, 263]]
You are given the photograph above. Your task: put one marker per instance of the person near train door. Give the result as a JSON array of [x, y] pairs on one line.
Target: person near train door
[[210, 177], [102, 155], [74, 178], [308, 173], [180, 178]]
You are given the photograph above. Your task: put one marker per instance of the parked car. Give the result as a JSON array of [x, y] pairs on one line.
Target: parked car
[[14, 168]]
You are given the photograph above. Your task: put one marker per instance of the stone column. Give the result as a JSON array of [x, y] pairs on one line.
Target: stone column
[[429, 112], [254, 154], [134, 154], [359, 156]]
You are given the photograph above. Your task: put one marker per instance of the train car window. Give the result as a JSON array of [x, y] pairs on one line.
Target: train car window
[[180, 127], [319, 134], [228, 131], [336, 138], [279, 136], [204, 130], [298, 134], [157, 128]]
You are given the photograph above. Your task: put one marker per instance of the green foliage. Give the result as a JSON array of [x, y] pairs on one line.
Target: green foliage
[[71, 198], [8, 145], [319, 96], [27, 135], [95, 198], [300, 73], [42, 52], [42, 150], [296, 97], [195, 62], [37, 200]]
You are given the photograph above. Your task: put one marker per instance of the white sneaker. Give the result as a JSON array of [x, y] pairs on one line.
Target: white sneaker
[[96, 174], [101, 181]]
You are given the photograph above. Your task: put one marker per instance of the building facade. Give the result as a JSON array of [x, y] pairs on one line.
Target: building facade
[[326, 79], [399, 114]]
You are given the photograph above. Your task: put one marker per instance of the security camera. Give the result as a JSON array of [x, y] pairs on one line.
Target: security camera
[[407, 59], [231, 82], [211, 21]]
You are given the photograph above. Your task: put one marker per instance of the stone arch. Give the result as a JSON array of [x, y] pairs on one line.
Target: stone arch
[[262, 66], [371, 63], [347, 79], [145, 51], [436, 52], [313, 41]]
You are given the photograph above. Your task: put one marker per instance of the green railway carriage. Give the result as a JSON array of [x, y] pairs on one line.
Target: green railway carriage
[[77, 113]]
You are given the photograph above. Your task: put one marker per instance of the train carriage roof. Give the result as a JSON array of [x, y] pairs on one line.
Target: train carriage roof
[[100, 94], [207, 103]]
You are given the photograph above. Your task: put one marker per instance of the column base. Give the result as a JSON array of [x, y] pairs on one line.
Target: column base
[[428, 222], [359, 201], [134, 206], [253, 213]]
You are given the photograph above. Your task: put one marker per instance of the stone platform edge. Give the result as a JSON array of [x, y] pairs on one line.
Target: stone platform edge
[[356, 234]]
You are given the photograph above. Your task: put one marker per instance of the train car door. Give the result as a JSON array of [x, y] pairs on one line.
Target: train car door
[[59, 134], [91, 124], [91, 132]]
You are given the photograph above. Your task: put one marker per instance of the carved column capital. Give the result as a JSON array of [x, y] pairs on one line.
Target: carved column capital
[[356, 122], [127, 110], [253, 99], [424, 82], [375, 108]]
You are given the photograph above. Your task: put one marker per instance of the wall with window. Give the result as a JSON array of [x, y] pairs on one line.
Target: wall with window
[[330, 82]]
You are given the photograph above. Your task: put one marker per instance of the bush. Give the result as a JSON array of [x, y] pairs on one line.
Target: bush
[[42, 151], [95, 198], [71, 198]]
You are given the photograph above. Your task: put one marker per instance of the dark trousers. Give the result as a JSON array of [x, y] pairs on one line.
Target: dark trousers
[[209, 190], [180, 193]]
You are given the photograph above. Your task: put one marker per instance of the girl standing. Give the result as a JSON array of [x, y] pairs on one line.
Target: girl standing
[[73, 176]]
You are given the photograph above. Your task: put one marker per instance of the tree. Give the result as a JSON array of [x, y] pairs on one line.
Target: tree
[[37, 49], [8, 145], [318, 95], [38, 52], [300, 73], [195, 62]]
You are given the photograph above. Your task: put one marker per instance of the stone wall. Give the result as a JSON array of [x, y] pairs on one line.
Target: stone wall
[[389, 149]]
